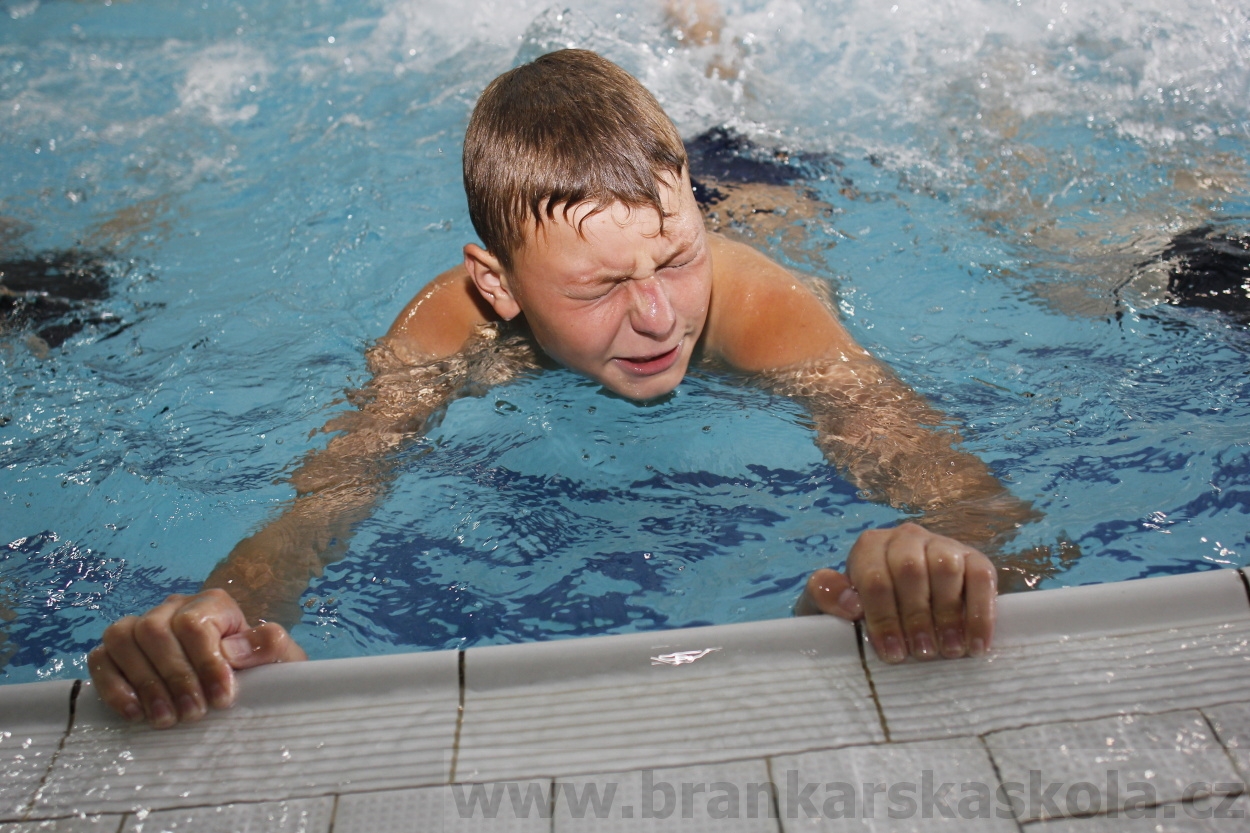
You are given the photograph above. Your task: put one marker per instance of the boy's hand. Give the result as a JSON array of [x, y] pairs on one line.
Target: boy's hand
[[917, 591], [174, 661]]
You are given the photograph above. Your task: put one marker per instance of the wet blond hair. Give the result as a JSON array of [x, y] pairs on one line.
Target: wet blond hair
[[568, 128]]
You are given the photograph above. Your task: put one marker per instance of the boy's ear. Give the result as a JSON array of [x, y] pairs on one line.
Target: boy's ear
[[491, 281]]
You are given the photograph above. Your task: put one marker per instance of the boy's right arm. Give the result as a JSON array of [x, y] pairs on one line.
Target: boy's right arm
[[336, 487], [177, 659]]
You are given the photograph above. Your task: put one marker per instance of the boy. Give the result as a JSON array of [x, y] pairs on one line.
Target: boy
[[595, 256]]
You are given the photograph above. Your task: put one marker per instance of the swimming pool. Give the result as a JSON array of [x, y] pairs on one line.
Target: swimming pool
[[266, 186]]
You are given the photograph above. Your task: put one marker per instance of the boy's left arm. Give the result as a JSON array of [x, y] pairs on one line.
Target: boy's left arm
[[893, 445]]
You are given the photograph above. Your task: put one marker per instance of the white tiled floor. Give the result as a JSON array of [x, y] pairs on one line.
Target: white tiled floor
[[727, 797], [774, 726], [514, 807], [1232, 726], [1131, 759], [929, 785], [1219, 815]]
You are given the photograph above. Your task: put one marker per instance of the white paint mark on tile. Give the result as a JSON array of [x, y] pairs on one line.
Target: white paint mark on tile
[[596, 704], [682, 657]]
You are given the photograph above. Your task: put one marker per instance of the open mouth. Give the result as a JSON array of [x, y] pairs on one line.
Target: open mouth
[[650, 365]]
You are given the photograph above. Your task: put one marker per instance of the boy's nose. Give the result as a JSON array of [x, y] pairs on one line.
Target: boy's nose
[[651, 312]]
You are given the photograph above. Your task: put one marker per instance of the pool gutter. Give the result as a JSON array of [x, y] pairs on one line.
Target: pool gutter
[[1141, 682]]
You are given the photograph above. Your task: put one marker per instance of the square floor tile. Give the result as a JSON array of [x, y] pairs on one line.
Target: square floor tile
[[931, 785], [1232, 726], [732, 797], [512, 807], [304, 729], [34, 718], [663, 699], [301, 815], [1075, 768]]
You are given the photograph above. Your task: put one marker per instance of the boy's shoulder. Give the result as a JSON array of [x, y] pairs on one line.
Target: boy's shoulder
[[763, 316], [439, 319]]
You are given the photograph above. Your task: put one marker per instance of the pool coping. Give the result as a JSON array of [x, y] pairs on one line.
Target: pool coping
[[347, 739]]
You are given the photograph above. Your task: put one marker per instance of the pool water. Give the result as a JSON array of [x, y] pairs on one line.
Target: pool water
[[266, 185]]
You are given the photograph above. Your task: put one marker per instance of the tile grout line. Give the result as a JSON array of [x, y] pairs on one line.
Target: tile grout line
[[334, 813], [872, 685], [1228, 753], [1096, 718], [773, 801], [1113, 812], [551, 806], [69, 814], [989, 753], [47, 773], [455, 742]]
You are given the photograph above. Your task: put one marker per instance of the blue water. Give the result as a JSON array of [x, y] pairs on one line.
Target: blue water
[[269, 184]]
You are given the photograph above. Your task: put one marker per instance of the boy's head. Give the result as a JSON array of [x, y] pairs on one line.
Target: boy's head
[[577, 185], [568, 128]]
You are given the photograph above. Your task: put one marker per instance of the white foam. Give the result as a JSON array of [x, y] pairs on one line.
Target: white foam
[[872, 65], [421, 33], [219, 78]]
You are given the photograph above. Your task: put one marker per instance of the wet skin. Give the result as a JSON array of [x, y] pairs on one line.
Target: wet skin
[[611, 296]]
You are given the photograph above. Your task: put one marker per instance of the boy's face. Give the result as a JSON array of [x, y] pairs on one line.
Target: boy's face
[[618, 302]]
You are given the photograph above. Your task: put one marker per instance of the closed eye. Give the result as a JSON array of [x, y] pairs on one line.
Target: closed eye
[[599, 289], [682, 258]]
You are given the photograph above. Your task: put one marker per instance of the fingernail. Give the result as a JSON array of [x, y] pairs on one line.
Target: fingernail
[[218, 696], [977, 647], [849, 602], [952, 644], [236, 648], [892, 649], [189, 708], [132, 712], [923, 644], [162, 714]]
